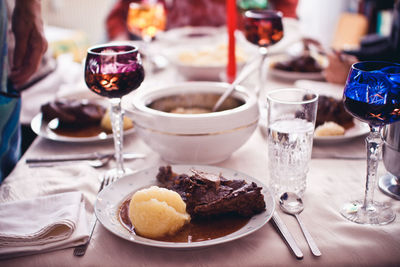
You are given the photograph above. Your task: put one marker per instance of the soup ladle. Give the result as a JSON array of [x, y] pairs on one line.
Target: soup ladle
[[246, 71], [292, 204]]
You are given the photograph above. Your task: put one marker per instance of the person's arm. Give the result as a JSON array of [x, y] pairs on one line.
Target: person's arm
[[338, 68], [30, 42], [287, 7]]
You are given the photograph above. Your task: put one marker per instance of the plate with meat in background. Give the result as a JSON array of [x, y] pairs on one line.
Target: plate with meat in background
[[331, 109], [75, 120]]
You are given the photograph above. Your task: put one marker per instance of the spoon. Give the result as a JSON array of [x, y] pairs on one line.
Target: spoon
[[292, 204]]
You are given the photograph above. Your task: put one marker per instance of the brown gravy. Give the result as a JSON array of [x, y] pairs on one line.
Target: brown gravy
[[196, 230], [84, 131]]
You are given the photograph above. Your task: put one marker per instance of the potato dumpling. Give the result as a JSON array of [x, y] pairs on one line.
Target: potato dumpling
[[157, 212], [106, 122], [329, 128]]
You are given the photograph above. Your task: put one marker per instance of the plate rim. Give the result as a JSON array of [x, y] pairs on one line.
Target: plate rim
[[263, 217], [36, 126]]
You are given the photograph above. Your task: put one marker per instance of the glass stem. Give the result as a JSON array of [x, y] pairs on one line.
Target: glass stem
[[374, 144], [117, 127], [261, 74]]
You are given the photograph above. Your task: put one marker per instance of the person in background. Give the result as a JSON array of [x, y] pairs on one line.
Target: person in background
[[30, 45], [184, 13], [373, 47]]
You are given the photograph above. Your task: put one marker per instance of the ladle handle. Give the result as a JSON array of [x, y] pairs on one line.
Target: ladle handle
[[247, 69], [310, 240]]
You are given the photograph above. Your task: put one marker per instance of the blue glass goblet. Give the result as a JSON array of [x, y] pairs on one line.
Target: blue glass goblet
[[372, 94]]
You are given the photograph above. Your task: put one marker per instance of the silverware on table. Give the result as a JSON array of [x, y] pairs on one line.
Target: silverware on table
[[78, 157], [107, 179], [95, 159], [292, 204], [279, 224]]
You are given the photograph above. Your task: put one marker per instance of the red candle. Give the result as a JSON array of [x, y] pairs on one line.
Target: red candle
[[231, 24]]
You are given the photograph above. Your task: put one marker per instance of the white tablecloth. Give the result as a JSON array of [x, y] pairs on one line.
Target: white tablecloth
[[330, 183]]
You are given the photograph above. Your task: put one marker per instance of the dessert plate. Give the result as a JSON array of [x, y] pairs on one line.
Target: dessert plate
[[41, 128], [111, 198]]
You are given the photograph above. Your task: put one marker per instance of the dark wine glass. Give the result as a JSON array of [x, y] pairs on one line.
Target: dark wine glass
[[372, 94], [113, 71], [263, 28]]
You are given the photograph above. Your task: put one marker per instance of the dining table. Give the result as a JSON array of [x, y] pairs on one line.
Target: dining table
[[336, 173]]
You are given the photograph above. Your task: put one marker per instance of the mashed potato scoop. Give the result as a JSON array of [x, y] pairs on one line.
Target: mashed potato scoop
[[157, 212]]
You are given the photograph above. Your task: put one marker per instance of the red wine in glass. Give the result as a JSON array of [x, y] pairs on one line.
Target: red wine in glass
[[114, 85], [263, 27], [113, 71]]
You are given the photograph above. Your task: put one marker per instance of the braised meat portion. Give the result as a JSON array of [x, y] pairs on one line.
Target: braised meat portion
[[331, 109], [302, 63], [73, 112], [208, 195]]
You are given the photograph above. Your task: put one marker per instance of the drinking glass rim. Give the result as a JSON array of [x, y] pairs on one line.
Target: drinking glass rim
[[110, 45], [356, 66], [314, 99], [255, 12]]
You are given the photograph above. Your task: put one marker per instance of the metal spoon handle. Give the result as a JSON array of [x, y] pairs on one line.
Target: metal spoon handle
[[310, 240]]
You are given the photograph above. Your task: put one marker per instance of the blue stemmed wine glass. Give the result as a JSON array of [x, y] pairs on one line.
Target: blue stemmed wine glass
[[372, 94], [112, 71]]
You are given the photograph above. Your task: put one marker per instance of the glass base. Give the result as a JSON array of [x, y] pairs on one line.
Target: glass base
[[390, 185], [378, 213]]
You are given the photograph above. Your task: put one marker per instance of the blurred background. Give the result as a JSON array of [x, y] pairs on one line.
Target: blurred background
[[76, 24]]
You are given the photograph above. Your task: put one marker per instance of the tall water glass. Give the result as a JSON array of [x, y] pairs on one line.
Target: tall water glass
[[291, 121]]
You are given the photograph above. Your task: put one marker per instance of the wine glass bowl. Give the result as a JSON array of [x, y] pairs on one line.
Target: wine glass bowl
[[112, 71], [146, 19], [372, 94], [263, 27]]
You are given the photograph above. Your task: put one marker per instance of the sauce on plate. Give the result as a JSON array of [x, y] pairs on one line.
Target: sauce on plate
[[196, 230]]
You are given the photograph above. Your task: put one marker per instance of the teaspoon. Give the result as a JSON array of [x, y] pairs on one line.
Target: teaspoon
[[292, 204]]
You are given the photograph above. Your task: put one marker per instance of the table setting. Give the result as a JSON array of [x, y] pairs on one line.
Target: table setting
[[186, 184]]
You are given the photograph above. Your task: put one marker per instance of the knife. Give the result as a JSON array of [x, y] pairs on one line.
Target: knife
[[75, 157], [283, 230]]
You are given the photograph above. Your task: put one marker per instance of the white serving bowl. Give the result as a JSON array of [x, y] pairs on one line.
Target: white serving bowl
[[195, 138]]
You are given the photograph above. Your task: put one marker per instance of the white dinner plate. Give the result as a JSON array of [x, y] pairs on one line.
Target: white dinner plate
[[42, 129], [111, 198], [294, 75]]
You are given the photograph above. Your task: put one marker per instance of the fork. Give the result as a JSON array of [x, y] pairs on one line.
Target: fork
[[107, 179]]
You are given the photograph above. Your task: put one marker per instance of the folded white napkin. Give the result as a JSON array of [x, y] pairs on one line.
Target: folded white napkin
[[42, 224]]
